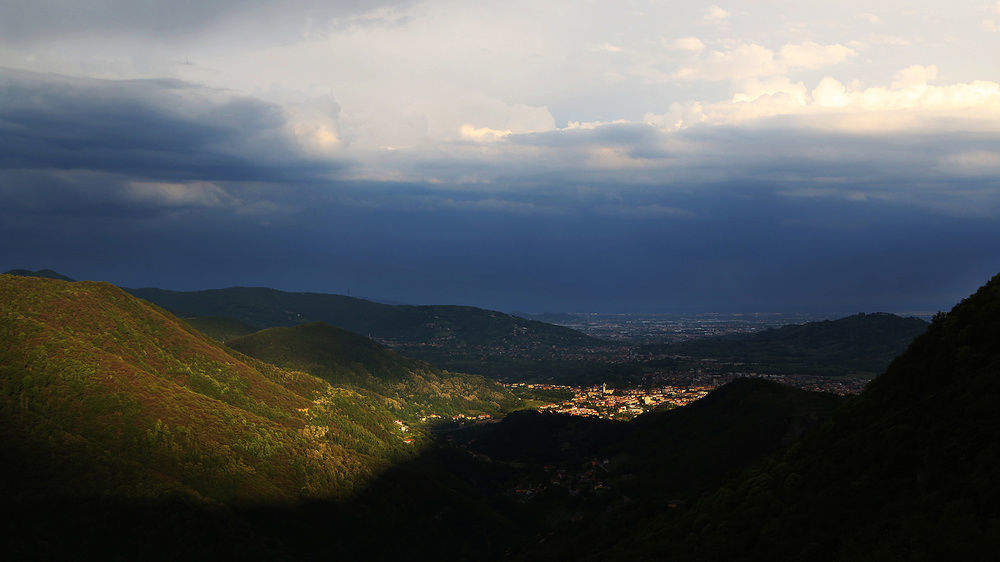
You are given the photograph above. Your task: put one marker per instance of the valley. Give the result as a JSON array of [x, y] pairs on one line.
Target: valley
[[260, 445]]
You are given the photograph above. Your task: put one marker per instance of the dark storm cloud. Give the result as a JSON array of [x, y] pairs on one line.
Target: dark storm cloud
[[736, 253], [164, 183], [145, 129]]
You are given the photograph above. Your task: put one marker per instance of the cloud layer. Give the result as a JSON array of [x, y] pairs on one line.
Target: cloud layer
[[696, 145]]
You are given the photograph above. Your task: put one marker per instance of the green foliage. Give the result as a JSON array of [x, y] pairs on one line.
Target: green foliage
[[91, 377], [219, 328], [410, 389], [118, 418], [541, 396]]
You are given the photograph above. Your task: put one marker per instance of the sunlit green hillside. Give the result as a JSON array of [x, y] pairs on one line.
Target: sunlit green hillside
[[104, 394], [411, 388], [220, 328]]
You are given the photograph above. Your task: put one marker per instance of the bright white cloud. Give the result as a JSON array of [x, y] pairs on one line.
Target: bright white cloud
[[830, 93], [716, 14], [812, 55], [688, 44], [914, 76], [483, 133], [442, 90], [779, 88], [590, 125], [911, 102], [750, 60]]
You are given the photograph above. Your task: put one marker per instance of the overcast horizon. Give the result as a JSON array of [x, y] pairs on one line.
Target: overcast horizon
[[520, 156]]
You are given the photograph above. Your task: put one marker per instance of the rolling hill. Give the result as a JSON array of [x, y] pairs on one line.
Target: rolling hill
[[859, 345], [409, 387], [128, 434], [95, 377], [415, 327], [220, 328]]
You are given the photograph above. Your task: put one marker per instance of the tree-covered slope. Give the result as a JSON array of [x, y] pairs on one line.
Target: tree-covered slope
[[411, 388], [220, 328], [434, 326], [906, 471], [862, 344], [105, 395]]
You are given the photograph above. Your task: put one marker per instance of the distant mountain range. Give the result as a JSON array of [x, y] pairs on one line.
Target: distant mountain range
[[424, 326], [45, 273], [432, 326], [495, 344]]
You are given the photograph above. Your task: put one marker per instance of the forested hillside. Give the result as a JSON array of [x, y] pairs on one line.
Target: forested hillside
[[904, 471]]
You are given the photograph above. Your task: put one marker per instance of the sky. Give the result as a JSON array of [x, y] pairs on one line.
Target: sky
[[628, 156]]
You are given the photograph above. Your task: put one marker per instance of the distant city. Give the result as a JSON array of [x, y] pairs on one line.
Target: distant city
[[602, 401], [672, 388]]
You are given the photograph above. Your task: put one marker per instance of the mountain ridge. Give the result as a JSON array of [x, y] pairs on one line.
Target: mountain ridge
[[45, 273], [267, 307], [862, 344]]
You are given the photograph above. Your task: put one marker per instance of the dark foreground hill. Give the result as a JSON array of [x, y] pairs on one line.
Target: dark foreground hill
[[126, 434], [859, 345], [905, 471], [129, 436], [548, 486]]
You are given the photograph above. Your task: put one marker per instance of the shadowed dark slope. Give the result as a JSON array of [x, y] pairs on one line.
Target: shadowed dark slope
[[906, 470], [862, 345]]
